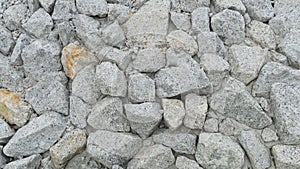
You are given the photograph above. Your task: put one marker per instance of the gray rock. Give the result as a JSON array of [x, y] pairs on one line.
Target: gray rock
[[232, 4], [31, 162], [120, 57], [66, 32], [143, 117], [3, 159], [111, 79], [209, 42], [196, 108], [6, 132], [155, 157], [246, 62], [23, 41], [286, 156], [260, 10], [149, 60], [64, 10], [116, 167], [79, 111], [211, 125], [37, 136], [7, 42], [68, 146], [271, 73], [182, 41], [113, 35], [141, 88], [269, 135], [108, 114], [85, 85], [231, 127], [258, 153], [33, 5], [148, 33], [183, 162], [236, 102], [92, 7], [262, 34], [179, 142], [200, 20], [191, 5], [39, 24], [278, 57], [181, 20], [47, 4], [215, 150], [113, 148], [118, 12], [48, 96], [83, 160], [285, 106], [14, 16], [234, 31], [174, 112]]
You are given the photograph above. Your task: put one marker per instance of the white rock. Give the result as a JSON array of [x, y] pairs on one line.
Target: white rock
[[260, 10], [211, 125], [64, 10], [141, 88], [23, 41], [200, 20], [209, 42], [120, 57], [183, 41], [196, 109], [14, 16], [286, 157], [269, 135], [174, 112], [237, 5]]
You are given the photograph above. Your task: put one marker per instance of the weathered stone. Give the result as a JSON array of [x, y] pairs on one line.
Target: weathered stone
[[48, 96], [79, 111], [209, 42], [278, 57], [5, 134], [64, 10], [258, 153], [39, 24], [174, 112], [285, 106], [113, 35], [211, 125], [14, 16], [141, 88], [269, 135], [200, 20], [83, 160], [181, 20], [37, 136], [74, 58], [7, 41], [260, 10], [120, 57], [66, 32], [286, 157], [215, 150], [143, 117], [69, 145], [108, 114], [30, 162], [183, 41], [92, 7], [196, 108], [236, 102], [13, 108], [47, 4], [23, 41], [183, 162], [230, 26], [179, 142], [33, 5], [191, 5], [113, 148], [3, 159], [231, 127], [111, 79], [147, 32], [149, 60], [246, 62], [116, 167], [271, 73], [155, 157], [231, 4], [118, 12]]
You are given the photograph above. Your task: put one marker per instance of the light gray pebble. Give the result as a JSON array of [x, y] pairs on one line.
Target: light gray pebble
[[231, 127], [79, 111], [286, 156], [231, 4], [210, 43], [141, 88], [113, 34], [211, 125], [120, 57], [182, 41], [14, 16], [6, 132], [269, 135], [200, 20], [83, 160], [183, 162], [23, 41], [118, 12], [174, 112], [47, 4], [260, 10], [149, 60], [64, 10], [196, 108], [181, 20]]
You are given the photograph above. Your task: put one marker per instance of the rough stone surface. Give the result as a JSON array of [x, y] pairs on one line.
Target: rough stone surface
[[30, 162], [181, 20], [7, 41], [13, 14], [174, 112], [23, 41], [47, 4], [211, 125], [79, 111], [200, 20], [183, 41], [83, 160], [113, 35], [260, 10], [231, 4], [92, 7], [269, 135], [120, 57], [286, 156], [209, 42], [64, 9], [6, 132], [196, 109], [141, 88], [3, 159], [183, 162], [231, 127]]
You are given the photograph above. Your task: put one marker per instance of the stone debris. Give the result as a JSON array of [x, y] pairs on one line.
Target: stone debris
[[286, 156], [120, 57], [260, 10], [64, 10], [231, 4], [182, 21], [211, 125], [47, 4], [14, 16], [83, 160], [79, 111], [181, 40], [113, 35], [183, 162], [210, 43], [30, 162], [269, 135], [141, 88], [3, 159], [200, 20], [6, 132], [7, 42], [23, 41], [196, 109], [174, 113], [92, 7]]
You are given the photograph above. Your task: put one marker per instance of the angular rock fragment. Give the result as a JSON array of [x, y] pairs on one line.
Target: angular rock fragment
[[113, 148], [209, 42], [79, 111], [6, 133], [64, 9], [231, 4], [149, 60], [14, 16], [3, 159], [236, 102], [83, 160], [211, 125], [278, 57], [231, 127], [215, 150], [30, 162], [183, 162], [174, 112], [155, 157], [200, 20], [92, 7], [196, 108], [191, 5], [269, 135], [66, 32], [181, 20], [7, 41], [230, 26], [183, 41], [13, 108], [69, 145], [120, 57], [47, 4], [118, 12], [260, 10], [37, 136], [143, 117], [113, 35], [111, 79], [141, 88], [23, 41], [108, 114], [286, 156]]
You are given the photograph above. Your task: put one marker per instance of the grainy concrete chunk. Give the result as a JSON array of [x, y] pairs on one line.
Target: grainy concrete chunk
[[108, 114], [143, 117], [258, 153], [72, 143], [141, 88], [286, 157], [143, 29], [183, 162], [30, 162], [47, 4], [23, 41], [79, 111], [209, 42], [211, 125], [174, 112], [215, 150], [111, 79], [191, 5], [231, 127], [200, 20], [113, 35], [64, 10], [196, 108], [120, 57], [74, 58], [236, 102], [14, 16], [113, 148], [155, 157], [183, 41], [230, 26], [92, 7], [246, 62], [237, 5], [269, 135], [181, 20], [5, 134], [37, 136], [48, 96], [285, 105], [149, 60], [83, 160], [39, 24], [13, 108], [179, 142], [260, 10], [7, 41]]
